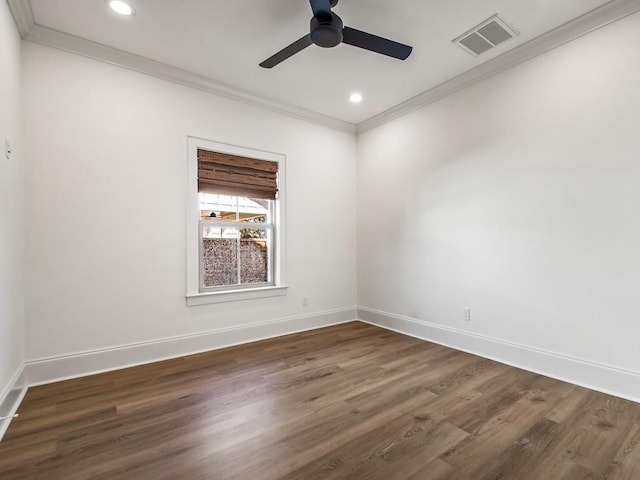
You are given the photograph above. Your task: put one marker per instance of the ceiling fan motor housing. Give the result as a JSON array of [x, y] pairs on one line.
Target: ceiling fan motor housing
[[326, 32]]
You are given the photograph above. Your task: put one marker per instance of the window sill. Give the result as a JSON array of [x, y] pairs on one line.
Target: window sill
[[206, 298]]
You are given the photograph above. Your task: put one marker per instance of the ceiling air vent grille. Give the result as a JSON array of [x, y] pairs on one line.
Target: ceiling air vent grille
[[485, 36]]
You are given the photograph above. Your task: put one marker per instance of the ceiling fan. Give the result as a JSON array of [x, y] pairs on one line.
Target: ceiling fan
[[327, 30]]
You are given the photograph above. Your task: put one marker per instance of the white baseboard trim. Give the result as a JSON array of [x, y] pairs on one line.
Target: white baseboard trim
[[54, 369], [603, 378], [11, 398], [610, 380]]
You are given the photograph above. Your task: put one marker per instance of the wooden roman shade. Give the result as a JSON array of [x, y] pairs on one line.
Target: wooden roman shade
[[226, 174]]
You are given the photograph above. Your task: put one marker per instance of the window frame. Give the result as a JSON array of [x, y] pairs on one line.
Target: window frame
[[199, 296]]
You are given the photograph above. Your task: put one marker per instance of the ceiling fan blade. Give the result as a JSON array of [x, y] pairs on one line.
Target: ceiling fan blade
[[287, 52], [376, 44], [321, 8]]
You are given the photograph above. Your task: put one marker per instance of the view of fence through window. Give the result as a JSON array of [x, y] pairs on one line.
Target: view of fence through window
[[236, 235]]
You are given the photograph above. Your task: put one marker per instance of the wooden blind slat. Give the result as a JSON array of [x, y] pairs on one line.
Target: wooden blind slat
[[206, 156], [239, 176], [230, 169], [228, 185], [220, 189]]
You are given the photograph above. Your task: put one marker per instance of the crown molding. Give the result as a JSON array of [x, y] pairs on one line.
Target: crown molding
[[22, 15], [593, 20], [87, 48]]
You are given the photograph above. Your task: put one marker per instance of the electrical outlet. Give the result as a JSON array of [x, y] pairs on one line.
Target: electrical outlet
[[466, 314], [305, 301], [7, 149]]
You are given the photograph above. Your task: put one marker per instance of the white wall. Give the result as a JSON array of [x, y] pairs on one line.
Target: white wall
[[516, 197], [519, 198], [105, 198], [11, 206]]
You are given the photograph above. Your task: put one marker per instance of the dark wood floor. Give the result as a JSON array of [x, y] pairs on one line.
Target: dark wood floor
[[345, 402]]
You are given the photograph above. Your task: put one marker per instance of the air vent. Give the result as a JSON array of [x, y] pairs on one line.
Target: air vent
[[485, 36]]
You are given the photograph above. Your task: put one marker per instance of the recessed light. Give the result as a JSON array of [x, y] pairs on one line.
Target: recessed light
[[123, 8], [355, 97]]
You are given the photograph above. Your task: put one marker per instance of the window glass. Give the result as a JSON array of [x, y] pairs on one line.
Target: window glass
[[219, 256], [218, 208], [236, 241], [254, 255]]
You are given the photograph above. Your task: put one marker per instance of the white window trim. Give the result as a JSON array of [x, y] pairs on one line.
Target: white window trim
[[194, 295]]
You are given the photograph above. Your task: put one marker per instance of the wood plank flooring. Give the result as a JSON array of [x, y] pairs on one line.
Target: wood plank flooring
[[345, 402]]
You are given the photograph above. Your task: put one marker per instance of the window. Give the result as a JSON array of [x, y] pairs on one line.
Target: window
[[236, 241], [235, 248]]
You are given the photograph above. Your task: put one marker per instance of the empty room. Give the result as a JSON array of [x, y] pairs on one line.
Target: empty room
[[319, 239]]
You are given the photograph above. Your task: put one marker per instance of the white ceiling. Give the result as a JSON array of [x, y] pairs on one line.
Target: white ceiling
[[226, 39]]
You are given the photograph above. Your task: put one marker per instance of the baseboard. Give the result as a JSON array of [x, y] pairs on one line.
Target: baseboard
[[48, 370], [10, 399], [603, 378]]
